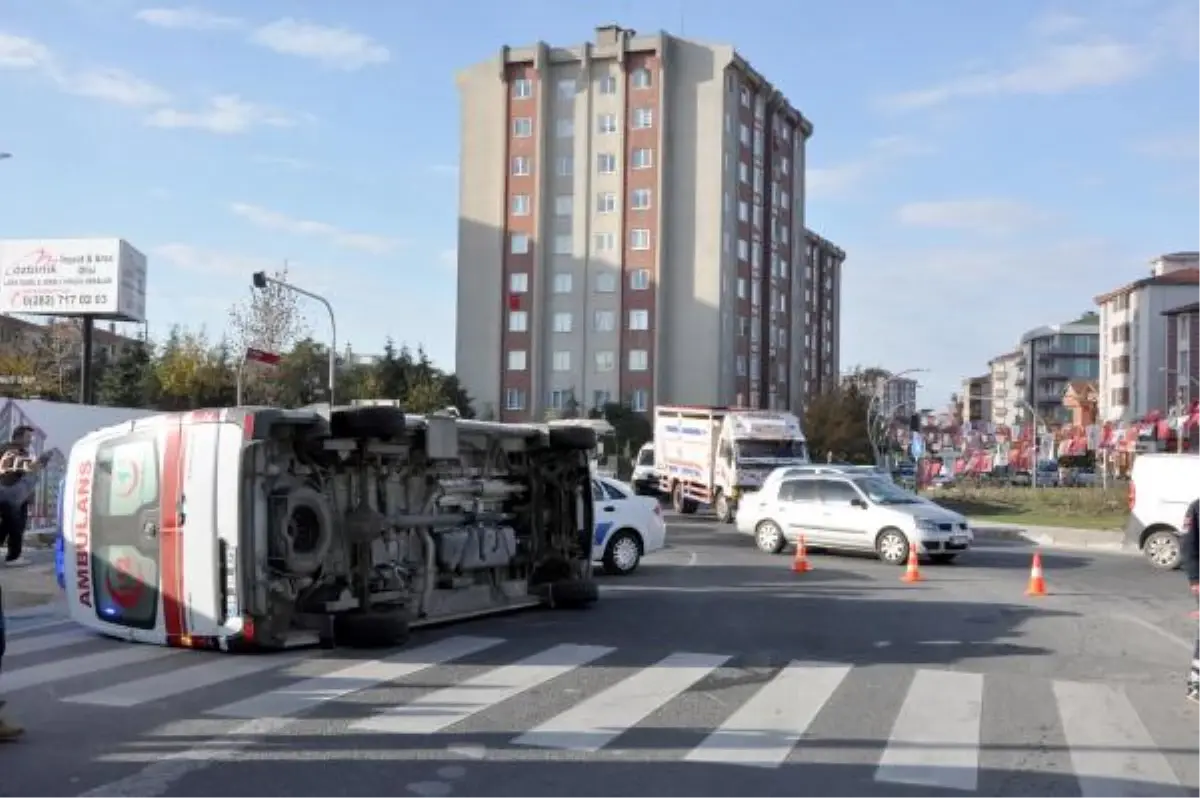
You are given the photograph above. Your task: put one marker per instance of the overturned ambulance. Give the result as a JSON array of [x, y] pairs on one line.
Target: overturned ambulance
[[260, 527]]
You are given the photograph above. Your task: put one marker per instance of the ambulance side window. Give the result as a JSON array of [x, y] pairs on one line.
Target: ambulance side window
[[129, 474]]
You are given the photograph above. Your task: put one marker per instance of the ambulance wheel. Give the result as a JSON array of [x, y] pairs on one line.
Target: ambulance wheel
[[367, 422], [384, 629], [572, 438]]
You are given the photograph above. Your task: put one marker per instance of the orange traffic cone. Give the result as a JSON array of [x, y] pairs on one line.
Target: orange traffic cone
[[800, 563], [1037, 581], [913, 572]]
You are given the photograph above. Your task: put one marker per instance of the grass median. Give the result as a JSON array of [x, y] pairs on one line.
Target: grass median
[[1077, 508]]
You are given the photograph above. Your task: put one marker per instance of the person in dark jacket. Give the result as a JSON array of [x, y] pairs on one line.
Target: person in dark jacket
[[14, 516], [1191, 567], [18, 480]]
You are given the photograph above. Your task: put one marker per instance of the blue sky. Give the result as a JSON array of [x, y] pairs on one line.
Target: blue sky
[[988, 167]]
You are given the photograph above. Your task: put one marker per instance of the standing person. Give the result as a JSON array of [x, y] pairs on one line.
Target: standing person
[[1191, 565], [18, 480], [14, 516]]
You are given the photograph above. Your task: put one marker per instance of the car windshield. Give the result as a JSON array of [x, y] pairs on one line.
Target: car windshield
[[881, 491], [759, 449], [646, 457], [615, 487]]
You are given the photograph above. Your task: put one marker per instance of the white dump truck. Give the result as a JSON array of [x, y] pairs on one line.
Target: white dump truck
[[714, 455], [253, 527]]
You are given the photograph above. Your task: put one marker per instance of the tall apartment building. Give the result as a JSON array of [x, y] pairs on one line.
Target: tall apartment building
[[1054, 356], [631, 228], [1007, 378], [898, 395], [1133, 337], [1181, 377], [975, 399]]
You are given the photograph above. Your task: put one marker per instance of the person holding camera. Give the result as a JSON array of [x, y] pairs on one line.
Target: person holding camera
[[14, 515]]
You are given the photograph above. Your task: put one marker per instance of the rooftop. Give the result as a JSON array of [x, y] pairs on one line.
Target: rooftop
[[1179, 277]]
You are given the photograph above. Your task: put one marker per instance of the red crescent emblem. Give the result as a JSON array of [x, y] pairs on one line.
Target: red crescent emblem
[[124, 582]]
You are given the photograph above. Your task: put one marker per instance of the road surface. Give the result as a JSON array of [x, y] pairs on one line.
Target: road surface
[[714, 670]]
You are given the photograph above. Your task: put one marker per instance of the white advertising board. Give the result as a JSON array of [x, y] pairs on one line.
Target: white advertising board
[[101, 277]]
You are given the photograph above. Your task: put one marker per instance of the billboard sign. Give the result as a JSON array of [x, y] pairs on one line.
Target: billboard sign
[[101, 277]]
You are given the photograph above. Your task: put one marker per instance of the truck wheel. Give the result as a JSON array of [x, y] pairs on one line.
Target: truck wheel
[[572, 438], [385, 629], [724, 509], [367, 422]]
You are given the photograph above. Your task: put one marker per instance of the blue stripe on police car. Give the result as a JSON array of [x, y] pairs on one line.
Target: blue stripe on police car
[[602, 529]]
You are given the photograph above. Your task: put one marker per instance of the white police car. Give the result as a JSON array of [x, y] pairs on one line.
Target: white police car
[[628, 527]]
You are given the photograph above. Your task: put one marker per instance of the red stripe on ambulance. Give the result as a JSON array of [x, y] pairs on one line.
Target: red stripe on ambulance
[[171, 533]]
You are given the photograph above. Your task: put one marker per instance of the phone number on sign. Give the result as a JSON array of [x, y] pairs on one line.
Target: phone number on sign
[[39, 301]]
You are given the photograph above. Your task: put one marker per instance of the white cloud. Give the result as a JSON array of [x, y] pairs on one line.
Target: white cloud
[[1174, 147], [204, 261], [116, 86], [1056, 69], [186, 18], [274, 220], [226, 114], [338, 48], [19, 52], [994, 216], [842, 179], [1056, 23]]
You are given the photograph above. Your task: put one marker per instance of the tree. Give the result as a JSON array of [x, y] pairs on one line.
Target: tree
[[271, 320], [57, 353], [130, 381], [631, 428], [18, 374], [835, 423], [426, 394], [186, 372]]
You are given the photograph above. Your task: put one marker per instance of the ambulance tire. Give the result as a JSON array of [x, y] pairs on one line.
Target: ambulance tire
[[367, 422], [385, 629], [572, 438]]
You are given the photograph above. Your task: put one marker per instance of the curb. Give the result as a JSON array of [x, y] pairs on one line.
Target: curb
[[1102, 540]]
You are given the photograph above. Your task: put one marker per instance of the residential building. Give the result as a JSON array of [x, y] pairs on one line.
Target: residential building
[[1007, 378], [1181, 376], [23, 336], [597, 264], [1133, 336], [898, 395], [1054, 355], [975, 399]]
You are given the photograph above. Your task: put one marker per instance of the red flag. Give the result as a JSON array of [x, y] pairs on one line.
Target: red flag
[[263, 356]]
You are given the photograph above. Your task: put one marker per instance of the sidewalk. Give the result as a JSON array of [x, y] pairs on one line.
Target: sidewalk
[[31, 586], [1053, 536]]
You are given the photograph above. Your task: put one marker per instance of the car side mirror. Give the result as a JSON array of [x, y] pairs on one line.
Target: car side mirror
[[858, 503]]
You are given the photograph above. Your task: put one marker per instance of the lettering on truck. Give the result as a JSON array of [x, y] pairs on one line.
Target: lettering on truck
[[83, 533]]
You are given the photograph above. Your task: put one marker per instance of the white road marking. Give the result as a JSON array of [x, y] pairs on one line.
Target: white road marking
[[1142, 622], [765, 729], [126, 655], [935, 741], [435, 711], [1112, 753], [594, 723], [47, 642]]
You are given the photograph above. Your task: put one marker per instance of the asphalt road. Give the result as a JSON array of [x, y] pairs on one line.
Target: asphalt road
[[842, 681]]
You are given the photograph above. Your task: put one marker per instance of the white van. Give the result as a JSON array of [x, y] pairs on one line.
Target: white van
[[1160, 489]]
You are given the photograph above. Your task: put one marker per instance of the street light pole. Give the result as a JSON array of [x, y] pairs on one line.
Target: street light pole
[[873, 414], [261, 281]]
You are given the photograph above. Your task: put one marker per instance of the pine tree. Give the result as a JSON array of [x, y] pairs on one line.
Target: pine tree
[[129, 380]]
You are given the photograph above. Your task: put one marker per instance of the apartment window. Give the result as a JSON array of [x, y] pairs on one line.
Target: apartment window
[[743, 249], [566, 89], [562, 283], [639, 359], [785, 200], [608, 84], [782, 303], [518, 282], [741, 365], [639, 400], [743, 211], [606, 123], [1120, 365], [522, 127], [562, 322], [642, 158], [639, 279], [639, 320], [604, 321], [605, 361], [741, 287], [639, 239], [516, 360], [604, 242], [743, 326], [642, 79], [743, 172], [522, 88], [640, 199], [782, 370], [520, 205], [518, 321], [563, 245], [563, 205], [606, 163], [518, 244], [521, 166], [745, 96], [606, 284], [565, 166], [643, 118], [514, 399], [606, 202], [784, 162], [1120, 396], [601, 398], [744, 135], [562, 360], [564, 128], [559, 398]]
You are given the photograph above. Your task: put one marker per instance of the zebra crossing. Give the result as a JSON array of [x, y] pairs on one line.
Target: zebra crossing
[[937, 734]]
